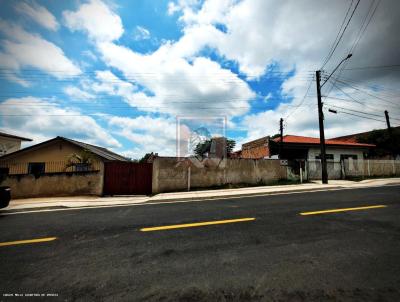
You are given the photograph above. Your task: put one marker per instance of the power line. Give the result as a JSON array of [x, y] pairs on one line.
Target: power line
[[368, 93], [373, 67], [362, 112], [345, 93], [302, 101], [369, 118], [360, 35], [341, 35], [391, 104], [390, 92], [353, 47], [34, 70], [337, 35]]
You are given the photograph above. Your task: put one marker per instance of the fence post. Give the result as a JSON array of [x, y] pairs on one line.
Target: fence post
[[343, 168], [394, 167], [301, 174], [369, 170], [305, 169], [188, 178]]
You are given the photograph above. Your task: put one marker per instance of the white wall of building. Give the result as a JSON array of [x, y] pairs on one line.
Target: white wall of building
[[337, 152]]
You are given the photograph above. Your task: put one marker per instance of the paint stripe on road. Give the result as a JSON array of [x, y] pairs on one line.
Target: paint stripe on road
[[342, 210], [39, 240], [196, 224]]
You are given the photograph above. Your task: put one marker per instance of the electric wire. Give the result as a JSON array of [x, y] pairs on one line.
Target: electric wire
[[341, 35]]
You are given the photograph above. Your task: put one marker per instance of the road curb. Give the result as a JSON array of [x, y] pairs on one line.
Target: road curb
[[243, 195], [185, 199]]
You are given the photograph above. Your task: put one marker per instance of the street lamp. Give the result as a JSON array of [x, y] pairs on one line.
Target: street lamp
[[346, 58], [324, 170]]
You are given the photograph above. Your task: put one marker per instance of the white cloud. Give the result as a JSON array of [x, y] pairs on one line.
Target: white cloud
[[180, 87], [179, 81], [148, 134], [96, 19], [39, 14], [40, 119], [22, 49], [256, 34], [289, 34], [141, 33], [89, 54], [172, 8], [78, 93]]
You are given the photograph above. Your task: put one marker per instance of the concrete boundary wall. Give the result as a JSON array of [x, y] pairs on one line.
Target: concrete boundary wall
[[55, 184], [174, 174], [371, 168], [349, 168]]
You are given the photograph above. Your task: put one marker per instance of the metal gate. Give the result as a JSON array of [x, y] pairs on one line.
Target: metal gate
[[126, 178]]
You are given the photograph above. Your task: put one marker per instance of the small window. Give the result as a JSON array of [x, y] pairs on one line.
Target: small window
[[327, 156], [81, 167], [36, 168], [4, 171]]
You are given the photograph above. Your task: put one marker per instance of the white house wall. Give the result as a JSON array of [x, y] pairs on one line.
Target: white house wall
[[337, 152]]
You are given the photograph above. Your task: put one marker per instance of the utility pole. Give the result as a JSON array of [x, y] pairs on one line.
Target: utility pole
[[321, 119], [281, 136], [321, 130], [388, 122], [391, 139]]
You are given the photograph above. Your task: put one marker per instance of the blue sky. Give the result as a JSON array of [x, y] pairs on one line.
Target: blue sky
[[119, 73]]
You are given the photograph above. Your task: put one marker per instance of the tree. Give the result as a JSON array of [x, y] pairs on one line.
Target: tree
[[202, 148], [80, 161], [146, 157], [230, 145], [385, 144], [205, 146]]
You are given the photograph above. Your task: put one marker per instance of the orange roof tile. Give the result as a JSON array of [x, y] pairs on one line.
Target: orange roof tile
[[294, 139]]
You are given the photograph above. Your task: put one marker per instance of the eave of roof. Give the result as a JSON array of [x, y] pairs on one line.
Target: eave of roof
[[294, 139], [99, 151], [15, 136]]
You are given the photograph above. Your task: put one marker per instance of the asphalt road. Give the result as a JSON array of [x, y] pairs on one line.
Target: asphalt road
[[102, 254]]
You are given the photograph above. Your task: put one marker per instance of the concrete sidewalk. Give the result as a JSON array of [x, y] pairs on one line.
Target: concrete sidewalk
[[90, 201]]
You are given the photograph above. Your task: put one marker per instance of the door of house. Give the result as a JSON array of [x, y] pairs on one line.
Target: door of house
[[127, 178]]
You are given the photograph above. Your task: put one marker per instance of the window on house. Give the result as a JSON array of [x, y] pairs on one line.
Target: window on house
[[4, 171], [81, 167], [327, 156], [36, 168]]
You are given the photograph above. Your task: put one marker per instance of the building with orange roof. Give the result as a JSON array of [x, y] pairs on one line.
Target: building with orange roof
[[303, 147]]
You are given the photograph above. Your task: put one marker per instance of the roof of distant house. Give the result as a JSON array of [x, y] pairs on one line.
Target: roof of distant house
[[256, 142], [15, 136], [294, 139], [100, 151], [353, 137]]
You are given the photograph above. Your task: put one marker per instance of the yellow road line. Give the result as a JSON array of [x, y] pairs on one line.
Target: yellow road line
[[342, 210], [196, 224], [27, 241]]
